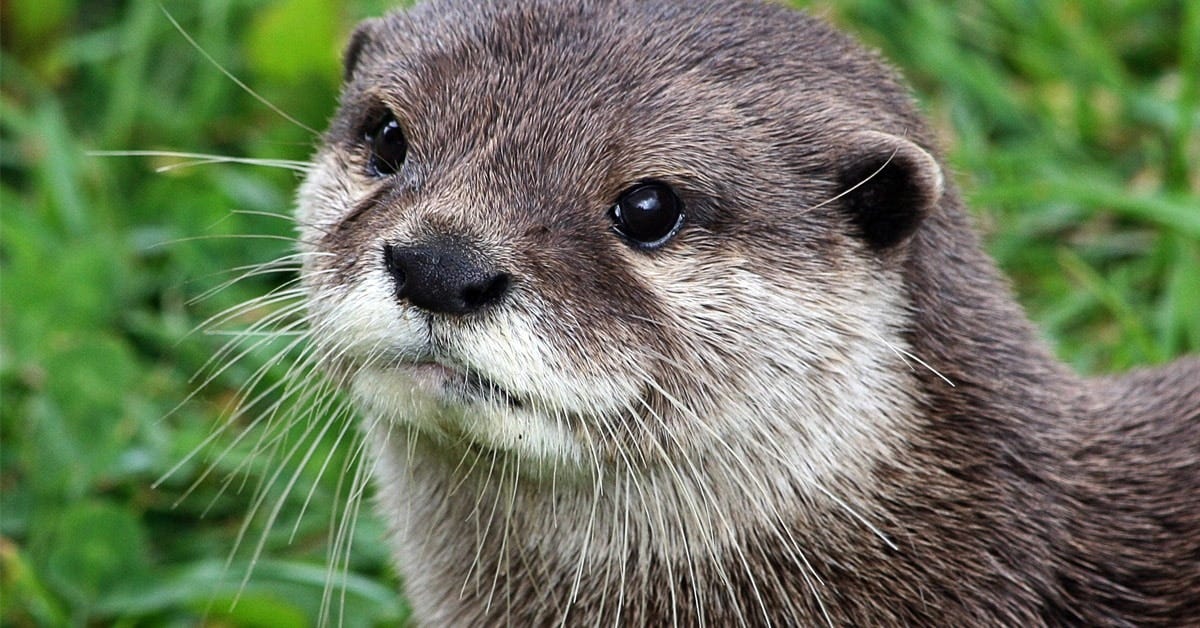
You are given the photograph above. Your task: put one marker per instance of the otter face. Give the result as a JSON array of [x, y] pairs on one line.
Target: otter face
[[617, 234]]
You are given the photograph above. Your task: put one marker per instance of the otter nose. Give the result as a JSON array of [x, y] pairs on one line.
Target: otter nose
[[444, 275]]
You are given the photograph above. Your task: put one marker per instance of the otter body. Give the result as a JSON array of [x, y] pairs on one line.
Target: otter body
[[666, 313]]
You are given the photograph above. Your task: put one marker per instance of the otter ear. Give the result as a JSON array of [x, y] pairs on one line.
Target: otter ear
[[889, 185], [363, 35]]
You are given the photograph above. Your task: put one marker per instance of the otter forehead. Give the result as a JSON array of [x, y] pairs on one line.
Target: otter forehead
[[600, 94]]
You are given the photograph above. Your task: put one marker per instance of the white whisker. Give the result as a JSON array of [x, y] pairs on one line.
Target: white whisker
[[201, 159], [200, 49]]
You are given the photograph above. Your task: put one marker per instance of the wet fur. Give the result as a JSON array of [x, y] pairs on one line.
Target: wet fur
[[819, 404]]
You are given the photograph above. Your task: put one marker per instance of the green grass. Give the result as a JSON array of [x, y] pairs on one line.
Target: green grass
[[1072, 127]]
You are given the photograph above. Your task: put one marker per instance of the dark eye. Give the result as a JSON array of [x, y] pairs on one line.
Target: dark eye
[[388, 147], [648, 214]]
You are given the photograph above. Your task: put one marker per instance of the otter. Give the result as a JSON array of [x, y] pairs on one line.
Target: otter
[[667, 313]]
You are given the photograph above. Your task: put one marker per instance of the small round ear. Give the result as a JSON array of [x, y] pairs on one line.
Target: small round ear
[[363, 36], [889, 184]]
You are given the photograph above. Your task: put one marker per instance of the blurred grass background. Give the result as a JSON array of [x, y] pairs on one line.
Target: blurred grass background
[[1072, 127]]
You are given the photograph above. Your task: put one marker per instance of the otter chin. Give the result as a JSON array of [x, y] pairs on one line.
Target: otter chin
[[667, 313]]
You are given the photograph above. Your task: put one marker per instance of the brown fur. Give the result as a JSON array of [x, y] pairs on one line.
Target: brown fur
[[1021, 495]]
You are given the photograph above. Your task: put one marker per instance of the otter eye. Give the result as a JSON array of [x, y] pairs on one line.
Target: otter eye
[[388, 147], [648, 214]]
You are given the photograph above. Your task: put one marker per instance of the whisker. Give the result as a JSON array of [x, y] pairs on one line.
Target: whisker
[[233, 78], [202, 159], [906, 355], [854, 187], [295, 221]]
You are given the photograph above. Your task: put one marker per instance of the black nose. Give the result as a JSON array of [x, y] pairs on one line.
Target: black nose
[[444, 275]]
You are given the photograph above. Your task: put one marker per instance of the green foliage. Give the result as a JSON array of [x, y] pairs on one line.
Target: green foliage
[[1072, 127]]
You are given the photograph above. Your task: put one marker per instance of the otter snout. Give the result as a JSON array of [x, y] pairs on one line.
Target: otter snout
[[444, 275]]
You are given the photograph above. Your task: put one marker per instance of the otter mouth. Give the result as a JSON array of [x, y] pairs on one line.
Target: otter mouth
[[476, 385], [455, 384]]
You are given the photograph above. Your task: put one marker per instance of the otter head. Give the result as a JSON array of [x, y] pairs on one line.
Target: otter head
[[619, 235]]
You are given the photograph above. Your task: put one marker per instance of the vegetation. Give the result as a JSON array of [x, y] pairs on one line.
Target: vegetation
[[1071, 125]]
